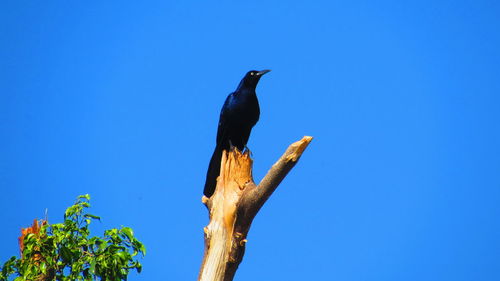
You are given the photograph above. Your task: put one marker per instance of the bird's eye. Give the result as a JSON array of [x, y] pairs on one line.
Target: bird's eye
[[252, 73]]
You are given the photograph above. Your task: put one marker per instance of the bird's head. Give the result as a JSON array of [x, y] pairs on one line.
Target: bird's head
[[252, 78]]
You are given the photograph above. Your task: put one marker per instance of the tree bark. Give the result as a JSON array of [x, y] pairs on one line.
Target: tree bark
[[234, 205]]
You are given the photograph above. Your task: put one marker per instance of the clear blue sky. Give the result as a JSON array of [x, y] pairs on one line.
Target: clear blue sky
[[121, 100]]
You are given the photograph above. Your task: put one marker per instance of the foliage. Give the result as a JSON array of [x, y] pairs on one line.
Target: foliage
[[64, 251]]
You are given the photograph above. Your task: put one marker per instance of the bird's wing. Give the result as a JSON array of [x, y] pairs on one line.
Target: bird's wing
[[221, 129]]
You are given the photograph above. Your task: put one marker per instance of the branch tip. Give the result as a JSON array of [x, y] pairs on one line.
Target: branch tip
[[299, 147]]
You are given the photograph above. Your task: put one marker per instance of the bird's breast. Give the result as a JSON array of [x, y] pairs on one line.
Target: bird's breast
[[244, 108]]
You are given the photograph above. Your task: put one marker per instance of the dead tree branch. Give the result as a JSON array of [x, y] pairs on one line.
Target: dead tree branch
[[233, 206]]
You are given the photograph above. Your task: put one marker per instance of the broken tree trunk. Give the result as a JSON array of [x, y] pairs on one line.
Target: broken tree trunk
[[233, 206]]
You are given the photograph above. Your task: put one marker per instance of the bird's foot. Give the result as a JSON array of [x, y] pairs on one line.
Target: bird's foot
[[248, 149], [231, 146]]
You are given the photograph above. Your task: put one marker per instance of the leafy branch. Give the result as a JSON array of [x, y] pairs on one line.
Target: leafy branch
[[64, 251]]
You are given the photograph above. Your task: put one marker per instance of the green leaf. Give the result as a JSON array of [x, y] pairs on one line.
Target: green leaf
[[43, 267], [70, 211], [140, 247], [92, 217], [111, 232], [102, 246], [128, 232], [85, 196]]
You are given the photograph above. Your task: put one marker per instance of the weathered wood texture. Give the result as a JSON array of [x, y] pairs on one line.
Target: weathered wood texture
[[234, 205]]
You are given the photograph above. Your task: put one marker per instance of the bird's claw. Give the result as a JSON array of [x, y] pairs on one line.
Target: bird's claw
[[249, 151], [231, 146]]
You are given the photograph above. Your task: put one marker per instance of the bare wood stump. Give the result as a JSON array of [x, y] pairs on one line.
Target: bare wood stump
[[234, 205]]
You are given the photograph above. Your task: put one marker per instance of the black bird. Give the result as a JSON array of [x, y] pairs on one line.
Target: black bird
[[238, 115]]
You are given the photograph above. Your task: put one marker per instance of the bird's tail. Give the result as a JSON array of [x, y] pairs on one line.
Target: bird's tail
[[213, 172]]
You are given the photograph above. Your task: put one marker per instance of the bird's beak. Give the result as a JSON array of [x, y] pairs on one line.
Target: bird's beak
[[262, 72]]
